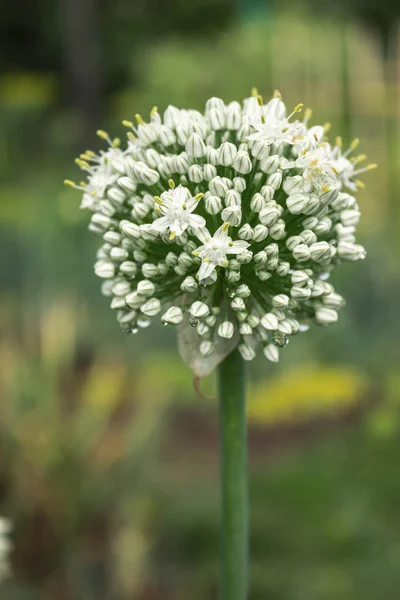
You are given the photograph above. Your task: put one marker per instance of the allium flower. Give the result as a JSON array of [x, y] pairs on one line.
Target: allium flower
[[5, 547], [227, 224]]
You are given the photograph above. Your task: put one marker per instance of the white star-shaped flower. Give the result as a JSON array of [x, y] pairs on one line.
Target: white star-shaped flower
[[177, 206], [215, 249]]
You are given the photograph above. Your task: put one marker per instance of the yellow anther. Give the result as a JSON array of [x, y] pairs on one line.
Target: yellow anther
[[334, 169], [184, 206], [195, 253], [360, 158], [230, 244], [171, 183], [304, 152], [226, 226], [313, 163], [83, 184], [126, 123], [158, 200], [354, 143], [116, 143], [327, 127], [326, 188], [277, 94], [199, 196], [308, 113], [298, 108], [285, 129], [102, 134], [339, 142], [254, 92], [153, 111], [139, 119], [262, 119], [85, 156], [90, 153], [372, 166], [69, 183], [93, 194], [157, 210], [82, 163], [172, 235], [206, 259], [131, 137], [260, 100], [226, 262], [360, 184]]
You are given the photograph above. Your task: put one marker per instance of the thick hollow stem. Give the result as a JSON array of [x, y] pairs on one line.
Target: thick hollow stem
[[234, 526]]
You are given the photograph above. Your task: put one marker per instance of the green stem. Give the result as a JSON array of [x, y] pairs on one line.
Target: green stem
[[234, 527]]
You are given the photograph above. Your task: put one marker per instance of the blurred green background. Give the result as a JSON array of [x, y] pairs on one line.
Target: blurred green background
[[108, 459]]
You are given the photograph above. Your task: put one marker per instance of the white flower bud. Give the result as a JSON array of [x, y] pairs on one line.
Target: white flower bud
[[238, 304], [270, 164], [267, 192], [297, 203], [269, 321], [245, 329], [217, 119], [233, 119], [310, 223], [209, 171], [283, 268], [143, 322], [127, 317], [350, 217], [271, 352], [199, 309], [146, 288], [101, 221], [260, 233], [212, 156], [203, 329], [116, 195], [300, 293], [182, 134], [269, 215], [233, 198], [280, 301], [257, 203], [195, 173], [189, 284], [167, 136], [117, 303], [139, 211], [239, 184], [320, 251], [308, 237], [195, 146], [301, 252], [285, 327], [312, 205], [333, 300], [232, 214], [299, 278], [326, 316], [215, 102], [227, 153], [128, 268], [149, 270], [121, 288], [173, 316], [113, 237], [323, 226], [253, 321], [246, 232], [104, 269], [118, 253], [246, 351], [260, 150], [275, 180], [218, 187], [277, 230], [242, 163], [213, 205], [293, 241], [293, 185], [134, 300], [350, 251], [226, 330], [149, 176], [206, 348], [318, 289], [151, 308]]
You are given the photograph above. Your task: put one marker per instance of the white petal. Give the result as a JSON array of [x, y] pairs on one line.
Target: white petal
[[160, 224], [206, 268]]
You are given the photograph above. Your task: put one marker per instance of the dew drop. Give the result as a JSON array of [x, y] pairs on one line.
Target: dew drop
[[193, 322], [280, 340]]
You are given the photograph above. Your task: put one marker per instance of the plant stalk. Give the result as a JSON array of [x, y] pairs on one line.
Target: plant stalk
[[234, 487]]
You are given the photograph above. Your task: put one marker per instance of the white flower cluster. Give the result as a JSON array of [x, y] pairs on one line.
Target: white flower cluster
[[5, 547], [231, 220]]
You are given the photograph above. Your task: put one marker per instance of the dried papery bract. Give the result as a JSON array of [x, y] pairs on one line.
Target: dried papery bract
[[227, 224]]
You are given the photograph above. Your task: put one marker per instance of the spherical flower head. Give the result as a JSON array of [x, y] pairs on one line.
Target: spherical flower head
[[226, 224]]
